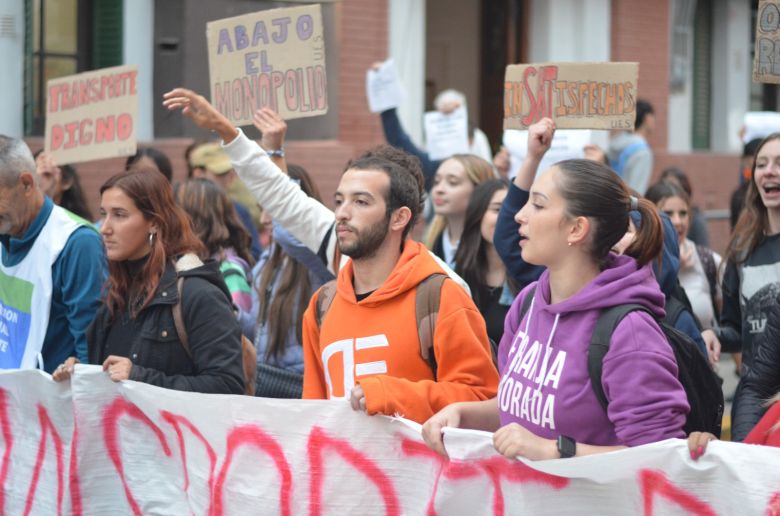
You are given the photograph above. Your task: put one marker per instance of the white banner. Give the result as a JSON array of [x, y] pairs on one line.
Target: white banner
[[138, 449]]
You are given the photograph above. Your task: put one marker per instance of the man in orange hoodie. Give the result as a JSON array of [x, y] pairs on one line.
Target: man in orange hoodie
[[366, 348]]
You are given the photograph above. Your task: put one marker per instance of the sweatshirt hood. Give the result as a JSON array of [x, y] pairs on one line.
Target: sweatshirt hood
[[208, 271], [414, 265], [667, 272], [623, 281]]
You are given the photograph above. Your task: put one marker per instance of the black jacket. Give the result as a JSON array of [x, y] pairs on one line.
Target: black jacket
[[212, 328], [762, 380]]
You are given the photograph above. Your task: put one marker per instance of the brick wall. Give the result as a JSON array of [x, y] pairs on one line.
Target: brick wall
[[364, 41], [713, 178], [640, 32]]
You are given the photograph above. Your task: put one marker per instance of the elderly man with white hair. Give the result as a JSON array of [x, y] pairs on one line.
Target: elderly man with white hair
[[448, 101], [52, 270]]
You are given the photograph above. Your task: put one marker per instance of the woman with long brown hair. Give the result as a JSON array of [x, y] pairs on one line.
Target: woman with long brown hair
[[752, 278], [216, 223], [477, 261], [453, 184], [286, 276], [150, 246]]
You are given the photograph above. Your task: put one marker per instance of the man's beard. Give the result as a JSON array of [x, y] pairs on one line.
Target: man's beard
[[367, 241]]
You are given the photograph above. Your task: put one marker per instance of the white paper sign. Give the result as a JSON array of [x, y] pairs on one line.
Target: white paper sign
[[98, 447], [447, 134], [383, 88], [760, 124], [566, 144]]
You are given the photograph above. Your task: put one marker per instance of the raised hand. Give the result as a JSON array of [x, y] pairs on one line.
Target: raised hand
[[540, 137], [272, 127], [200, 111]]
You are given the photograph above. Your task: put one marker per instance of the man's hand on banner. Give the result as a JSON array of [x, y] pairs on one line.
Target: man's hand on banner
[[200, 111], [118, 368], [357, 398]]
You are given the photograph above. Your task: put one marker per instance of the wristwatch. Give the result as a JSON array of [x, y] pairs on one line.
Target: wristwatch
[[278, 153], [567, 447]]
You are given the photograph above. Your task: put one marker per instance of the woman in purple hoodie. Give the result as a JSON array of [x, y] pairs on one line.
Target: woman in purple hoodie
[[546, 407]]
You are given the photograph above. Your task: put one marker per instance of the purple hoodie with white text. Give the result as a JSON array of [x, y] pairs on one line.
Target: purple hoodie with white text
[[543, 359]]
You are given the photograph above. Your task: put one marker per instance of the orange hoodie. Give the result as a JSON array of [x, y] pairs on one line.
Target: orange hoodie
[[374, 343]]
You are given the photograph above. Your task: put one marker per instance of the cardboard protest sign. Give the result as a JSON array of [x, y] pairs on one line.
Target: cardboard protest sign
[[383, 88], [92, 446], [92, 115], [574, 95], [273, 58], [766, 62], [446, 133]]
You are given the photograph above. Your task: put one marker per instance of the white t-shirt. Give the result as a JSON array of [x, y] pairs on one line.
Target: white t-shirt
[[694, 280]]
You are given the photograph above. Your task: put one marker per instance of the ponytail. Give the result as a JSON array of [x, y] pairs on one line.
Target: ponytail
[[593, 190], [649, 240]]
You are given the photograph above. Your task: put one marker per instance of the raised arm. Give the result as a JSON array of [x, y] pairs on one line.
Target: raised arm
[[506, 237], [204, 115], [304, 217], [397, 137], [273, 129]]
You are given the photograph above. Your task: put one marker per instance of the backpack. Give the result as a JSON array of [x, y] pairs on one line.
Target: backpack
[[626, 154], [675, 304], [707, 260], [248, 351], [427, 299], [701, 384]]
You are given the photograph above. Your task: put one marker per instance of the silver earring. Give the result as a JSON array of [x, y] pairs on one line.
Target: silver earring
[[568, 243], [151, 239]]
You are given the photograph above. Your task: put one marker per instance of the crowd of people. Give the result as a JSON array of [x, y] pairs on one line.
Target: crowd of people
[[491, 320]]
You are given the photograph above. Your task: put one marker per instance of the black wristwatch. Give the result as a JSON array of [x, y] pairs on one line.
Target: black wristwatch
[[567, 447]]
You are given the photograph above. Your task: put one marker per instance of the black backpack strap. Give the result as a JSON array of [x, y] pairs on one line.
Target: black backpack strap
[[529, 297], [707, 259], [426, 309], [599, 344], [178, 319], [708, 264], [674, 308]]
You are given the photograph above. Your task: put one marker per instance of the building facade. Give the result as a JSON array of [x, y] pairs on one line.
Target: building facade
[[695, 60]]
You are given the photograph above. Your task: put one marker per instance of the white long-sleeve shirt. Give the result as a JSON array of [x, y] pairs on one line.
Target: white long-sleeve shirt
[[305, 218]]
